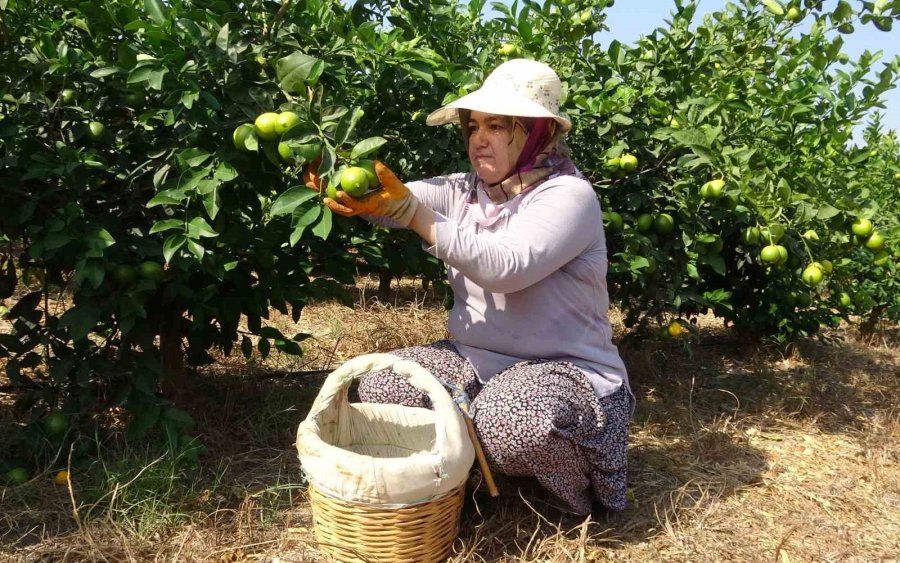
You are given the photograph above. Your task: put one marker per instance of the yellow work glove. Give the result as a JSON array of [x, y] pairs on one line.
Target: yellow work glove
[[393, 200]]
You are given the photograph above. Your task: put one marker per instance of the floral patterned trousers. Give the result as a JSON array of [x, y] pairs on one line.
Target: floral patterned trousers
[[537, 419]]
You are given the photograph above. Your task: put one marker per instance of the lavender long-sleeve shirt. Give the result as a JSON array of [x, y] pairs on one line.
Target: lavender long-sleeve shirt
[[528, 276]]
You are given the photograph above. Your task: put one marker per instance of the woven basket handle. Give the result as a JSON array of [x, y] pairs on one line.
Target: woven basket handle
[[338, 382]]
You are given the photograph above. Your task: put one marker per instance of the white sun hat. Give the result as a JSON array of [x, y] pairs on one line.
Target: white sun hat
[[518, 87]]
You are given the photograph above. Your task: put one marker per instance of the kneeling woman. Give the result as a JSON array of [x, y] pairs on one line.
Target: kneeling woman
[[522, 238]]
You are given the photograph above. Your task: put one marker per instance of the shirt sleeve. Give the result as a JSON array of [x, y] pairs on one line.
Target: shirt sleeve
[[438, 193], [558, 223]]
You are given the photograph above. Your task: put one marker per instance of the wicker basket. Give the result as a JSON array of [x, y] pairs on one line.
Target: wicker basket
[[386, 481]]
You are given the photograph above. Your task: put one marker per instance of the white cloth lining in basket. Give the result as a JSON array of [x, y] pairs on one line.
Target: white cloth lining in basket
[[346, 449]]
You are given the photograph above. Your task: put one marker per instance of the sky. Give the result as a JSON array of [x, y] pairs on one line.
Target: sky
[[628, 20]]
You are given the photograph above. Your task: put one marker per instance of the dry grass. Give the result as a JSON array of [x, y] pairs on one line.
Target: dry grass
[[738, 453]]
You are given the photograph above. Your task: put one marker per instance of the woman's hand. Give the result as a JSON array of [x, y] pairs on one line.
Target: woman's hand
[[393, 200]]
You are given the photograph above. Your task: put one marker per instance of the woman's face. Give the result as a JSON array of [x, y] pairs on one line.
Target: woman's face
[[494, 145]]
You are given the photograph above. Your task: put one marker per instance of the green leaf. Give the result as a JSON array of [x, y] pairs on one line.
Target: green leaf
[[827, 211], [298, 70], [323, 227], [156, 10], [637, 263], [225, 172], [212, 203], [290, 199], [192, 157], [222, 38], [198, 227], [246, 347], [166, 197], [80, 320], [346, 125], [99, 239], [105, 71], [366, 147], [844, 12], [717, 263], [196, 249], [171, 246], [166, 225], [145, 416], [91, 270], [691, 138]]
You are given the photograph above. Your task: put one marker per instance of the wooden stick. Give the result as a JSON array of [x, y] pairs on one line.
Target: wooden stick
[[479, 453]]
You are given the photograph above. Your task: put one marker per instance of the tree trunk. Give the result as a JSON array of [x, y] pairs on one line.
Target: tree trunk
[[384, 284], [867, 327], [174, 377]]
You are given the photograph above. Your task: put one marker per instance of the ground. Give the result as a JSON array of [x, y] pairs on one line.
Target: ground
[[739, 452]]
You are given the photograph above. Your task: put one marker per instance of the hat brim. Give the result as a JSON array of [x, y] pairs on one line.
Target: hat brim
[[487, 102]]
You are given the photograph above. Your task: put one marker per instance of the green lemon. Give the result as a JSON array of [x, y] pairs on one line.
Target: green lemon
[[286, 120], [826, 266], [712, 189], [782, 253], [150, 270], [645, 222], [614, 220], [628, 162], [508, 50], [881, 258], [774, 7], [613, 164], [56, 423], [750, 236], [241, 134], [67, 96], [124, 275], [785, 193], [875, 241], [134, 98], [355, 181], [369, 167], [769, 254], [804, 300], [812, 275], [716, 188], [862, 227], [331, 191], [17, 476], [285, 152], [664, 224], [308, 152], [844, 300], [793, 14], [266, 126], [335, 180], [96, 129]]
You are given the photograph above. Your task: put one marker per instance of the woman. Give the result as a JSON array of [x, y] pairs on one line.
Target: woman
[[523, 241]]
